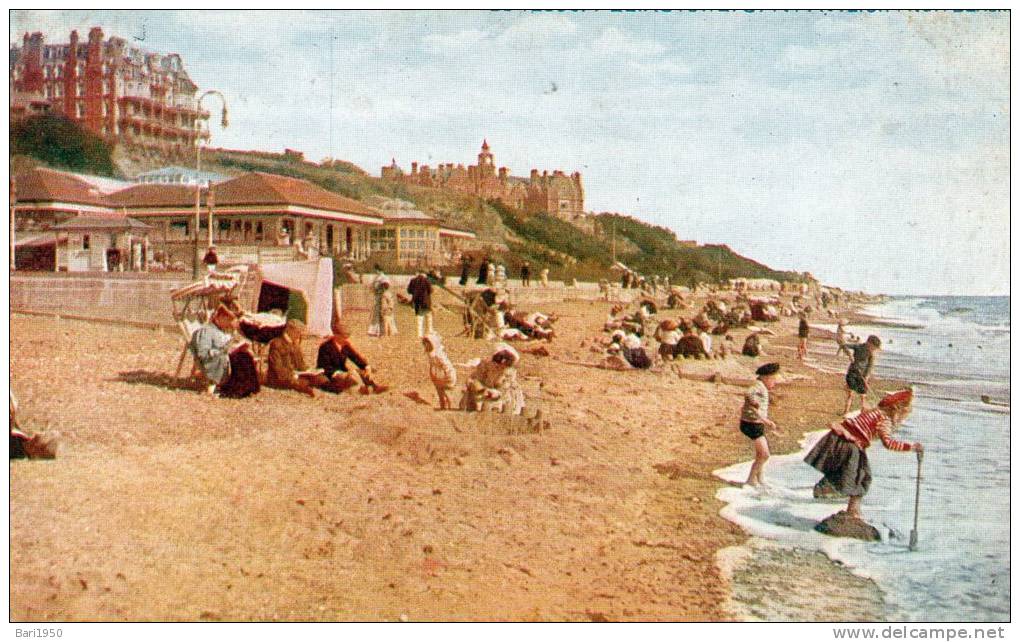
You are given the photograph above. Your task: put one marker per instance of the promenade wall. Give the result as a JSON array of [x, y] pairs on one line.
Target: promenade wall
[[144, 299]]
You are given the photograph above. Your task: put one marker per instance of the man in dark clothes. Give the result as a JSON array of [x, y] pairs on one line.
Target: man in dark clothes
[[465, 269], [421, 298], [526, 275], [483, 272], [334, 353], [210, 259]]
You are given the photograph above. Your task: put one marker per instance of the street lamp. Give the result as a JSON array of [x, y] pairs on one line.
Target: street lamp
[[198, 170]]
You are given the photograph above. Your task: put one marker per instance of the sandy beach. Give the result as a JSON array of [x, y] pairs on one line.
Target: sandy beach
[[165, 504]]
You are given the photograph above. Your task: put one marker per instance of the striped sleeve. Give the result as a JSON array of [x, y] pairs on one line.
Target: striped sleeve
[[884, 429]]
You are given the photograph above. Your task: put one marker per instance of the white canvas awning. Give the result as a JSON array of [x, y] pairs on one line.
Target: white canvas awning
[[314, 279]]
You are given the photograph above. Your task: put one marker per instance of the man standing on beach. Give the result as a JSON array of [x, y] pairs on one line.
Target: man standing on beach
[[858, 375], [754, 419], [421, 298]]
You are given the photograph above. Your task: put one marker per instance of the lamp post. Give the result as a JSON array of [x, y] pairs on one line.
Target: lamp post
[[198, 182]]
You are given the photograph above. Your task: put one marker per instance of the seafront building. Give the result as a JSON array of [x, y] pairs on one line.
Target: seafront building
[[255, 218], [554, 193], [118, 91]]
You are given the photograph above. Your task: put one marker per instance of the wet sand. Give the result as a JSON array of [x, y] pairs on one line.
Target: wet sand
[[165, 504]]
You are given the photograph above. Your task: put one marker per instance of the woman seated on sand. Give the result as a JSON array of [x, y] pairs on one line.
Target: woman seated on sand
[[668, 335], [493, 385], [690, 346], [841, 455], [753, 346], [633, 352], [226, 363]]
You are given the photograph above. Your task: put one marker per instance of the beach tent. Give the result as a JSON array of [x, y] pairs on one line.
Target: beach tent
[[304, 289]]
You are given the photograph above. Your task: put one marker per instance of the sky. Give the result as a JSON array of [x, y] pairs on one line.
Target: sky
[[871, 149]]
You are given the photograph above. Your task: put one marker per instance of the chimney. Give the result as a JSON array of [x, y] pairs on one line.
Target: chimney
[[414, 167]]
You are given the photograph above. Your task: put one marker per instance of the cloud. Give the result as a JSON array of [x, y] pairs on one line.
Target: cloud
[[800, 57], [537, 31], [454, 44], [615, 42]]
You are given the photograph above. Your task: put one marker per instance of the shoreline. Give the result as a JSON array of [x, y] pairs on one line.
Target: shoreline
[[761, 566], [373, 508]]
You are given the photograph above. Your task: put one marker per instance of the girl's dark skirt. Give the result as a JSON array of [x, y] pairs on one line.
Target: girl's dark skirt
[[844, 464]]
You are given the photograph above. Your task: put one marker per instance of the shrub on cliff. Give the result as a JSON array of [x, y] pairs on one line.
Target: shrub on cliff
[[60, 142]]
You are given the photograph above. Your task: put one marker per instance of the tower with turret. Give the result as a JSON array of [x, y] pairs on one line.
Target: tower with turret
[[553, 193]]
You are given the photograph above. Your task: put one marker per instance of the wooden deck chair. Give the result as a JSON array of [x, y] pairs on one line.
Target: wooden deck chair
[[194, 304]]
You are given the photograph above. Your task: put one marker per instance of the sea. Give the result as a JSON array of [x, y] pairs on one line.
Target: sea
[[953, 350]]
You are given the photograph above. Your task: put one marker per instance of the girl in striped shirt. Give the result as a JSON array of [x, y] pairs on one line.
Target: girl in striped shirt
[[841, 455]]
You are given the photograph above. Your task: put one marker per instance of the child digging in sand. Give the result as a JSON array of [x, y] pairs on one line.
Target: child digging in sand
[[842, 456], [441, 370], [754, 419]]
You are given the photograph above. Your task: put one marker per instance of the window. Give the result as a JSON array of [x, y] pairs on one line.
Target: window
[[382, 240]]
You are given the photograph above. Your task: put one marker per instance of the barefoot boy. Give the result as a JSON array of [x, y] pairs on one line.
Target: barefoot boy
[[754, 419]]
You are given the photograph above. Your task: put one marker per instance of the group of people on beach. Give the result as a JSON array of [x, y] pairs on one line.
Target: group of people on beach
[[841, 455], [229, 365], [227, 362], [496, 274]]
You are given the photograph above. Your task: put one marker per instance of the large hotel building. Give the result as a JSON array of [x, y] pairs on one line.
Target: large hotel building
[[125, 94]]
